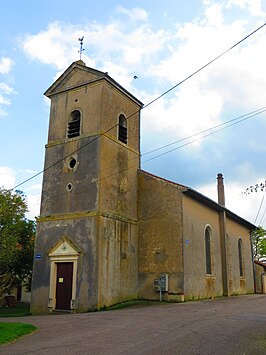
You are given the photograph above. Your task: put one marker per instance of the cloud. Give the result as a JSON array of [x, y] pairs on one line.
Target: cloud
[[48, 47], [254, 6], [36, 187], [4, 101], [28, 171], [128, 45], [33, 201], [6, 65], [4, 91], [182, 115], [165, 57], [234, 84], [7, 177], [137, 14]]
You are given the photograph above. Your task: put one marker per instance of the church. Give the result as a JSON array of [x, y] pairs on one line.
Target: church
[[110, 232]]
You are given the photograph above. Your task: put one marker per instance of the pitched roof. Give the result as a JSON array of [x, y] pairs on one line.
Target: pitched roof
[[206, 201]]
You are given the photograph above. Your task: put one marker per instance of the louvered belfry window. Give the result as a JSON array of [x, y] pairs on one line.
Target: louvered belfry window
[[74, 124], [122, 129]]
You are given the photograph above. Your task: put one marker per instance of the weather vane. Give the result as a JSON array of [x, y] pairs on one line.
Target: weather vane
[[81, 47]]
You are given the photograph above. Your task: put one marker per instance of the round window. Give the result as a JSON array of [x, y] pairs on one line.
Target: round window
[[72, 163], [69, 187]]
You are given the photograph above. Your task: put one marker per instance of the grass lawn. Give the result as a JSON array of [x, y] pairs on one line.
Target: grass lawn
[[12, 331], [21, 309]]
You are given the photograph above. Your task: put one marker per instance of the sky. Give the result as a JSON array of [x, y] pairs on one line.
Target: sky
[[162, 43]]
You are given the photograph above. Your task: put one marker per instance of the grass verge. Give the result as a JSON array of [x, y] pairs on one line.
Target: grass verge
[[21, 310], [12, 331]]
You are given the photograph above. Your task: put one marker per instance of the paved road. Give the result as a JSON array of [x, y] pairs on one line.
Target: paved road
[[231, 326]]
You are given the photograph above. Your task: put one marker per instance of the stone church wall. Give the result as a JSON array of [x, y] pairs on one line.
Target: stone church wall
[[118, 261], [198, 284], [239, 284], [82, 232], [160, 236]]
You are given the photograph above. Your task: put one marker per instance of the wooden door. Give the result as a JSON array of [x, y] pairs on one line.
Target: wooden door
[[64, 280]]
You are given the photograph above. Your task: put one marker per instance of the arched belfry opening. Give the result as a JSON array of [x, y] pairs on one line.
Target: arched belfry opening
[[74, 124], [122, 129]]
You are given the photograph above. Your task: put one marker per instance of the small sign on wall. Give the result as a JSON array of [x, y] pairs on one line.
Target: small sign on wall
[[61, 280]]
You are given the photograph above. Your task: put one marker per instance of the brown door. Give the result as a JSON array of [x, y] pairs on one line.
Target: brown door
[[64, 285]]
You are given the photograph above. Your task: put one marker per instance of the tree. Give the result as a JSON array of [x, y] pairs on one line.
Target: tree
[[17, 236], [259, 243]]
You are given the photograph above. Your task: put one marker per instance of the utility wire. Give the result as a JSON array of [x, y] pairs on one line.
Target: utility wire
[[261, 203], [262, 218], [224, 125], [238, 119], [204, 136], [251, 114], [247, 115], [204, 66], [145, 106], [259, 208]]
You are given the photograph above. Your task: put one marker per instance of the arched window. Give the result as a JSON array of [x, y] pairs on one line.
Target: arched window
[[208, 252], [74, 124], [122, 129], [240, 257]]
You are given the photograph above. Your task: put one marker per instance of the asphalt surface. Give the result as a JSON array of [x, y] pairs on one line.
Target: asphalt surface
[[234, 325]]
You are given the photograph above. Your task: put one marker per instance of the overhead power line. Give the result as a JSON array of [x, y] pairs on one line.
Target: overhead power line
[[206, 65], [145, 106], [255, 188], [199, 135], [239, 119], [121, 170], [262, 217], [208, 134], [261, 203]]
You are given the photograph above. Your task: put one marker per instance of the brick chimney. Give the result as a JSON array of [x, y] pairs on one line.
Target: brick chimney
[[220, 189]]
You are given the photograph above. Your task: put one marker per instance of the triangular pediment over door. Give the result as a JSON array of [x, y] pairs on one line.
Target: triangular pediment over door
[[64, 247]]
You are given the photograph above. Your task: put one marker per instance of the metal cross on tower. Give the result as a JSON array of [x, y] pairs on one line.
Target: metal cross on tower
[[81, 47]]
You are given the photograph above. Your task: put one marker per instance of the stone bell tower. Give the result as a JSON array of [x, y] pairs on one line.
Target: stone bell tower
[[86, 253]]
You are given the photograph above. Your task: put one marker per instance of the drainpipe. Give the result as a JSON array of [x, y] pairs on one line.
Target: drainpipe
[[253, 263], [223, 241]]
